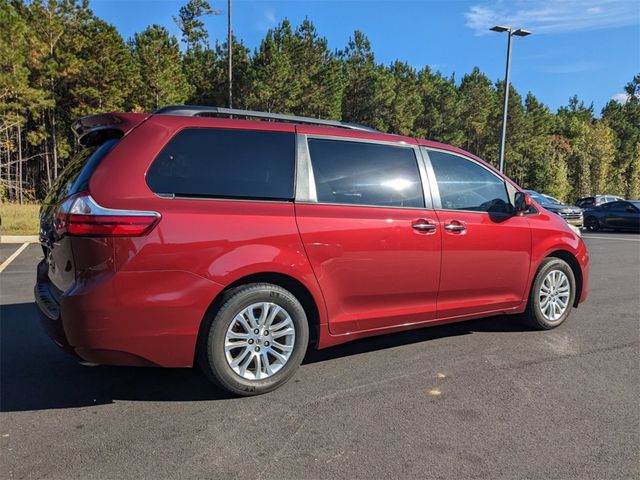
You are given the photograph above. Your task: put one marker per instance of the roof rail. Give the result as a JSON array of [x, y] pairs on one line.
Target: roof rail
[[197, 111]]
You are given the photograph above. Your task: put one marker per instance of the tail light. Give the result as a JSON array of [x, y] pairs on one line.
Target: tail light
[[80, 215]]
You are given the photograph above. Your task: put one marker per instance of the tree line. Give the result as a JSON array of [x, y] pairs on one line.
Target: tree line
[[59, 61]]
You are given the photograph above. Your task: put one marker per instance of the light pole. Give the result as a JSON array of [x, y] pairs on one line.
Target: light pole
[[511, 32], [230, 54]]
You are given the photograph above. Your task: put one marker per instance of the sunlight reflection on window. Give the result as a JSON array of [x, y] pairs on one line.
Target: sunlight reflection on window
[[397, 184]]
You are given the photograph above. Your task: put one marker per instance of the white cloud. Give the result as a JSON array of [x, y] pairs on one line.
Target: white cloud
[[571, 67], [266, 21], [622, 97], [552, 16]]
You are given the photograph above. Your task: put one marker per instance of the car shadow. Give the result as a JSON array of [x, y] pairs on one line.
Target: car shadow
[[36, 375]]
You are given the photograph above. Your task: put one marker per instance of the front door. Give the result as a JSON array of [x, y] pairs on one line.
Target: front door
[[486, 250], [374, 247]]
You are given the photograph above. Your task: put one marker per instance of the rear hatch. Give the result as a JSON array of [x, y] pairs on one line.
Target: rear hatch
[[98, 135]]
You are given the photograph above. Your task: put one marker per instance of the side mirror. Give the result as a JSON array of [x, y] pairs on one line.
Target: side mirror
[[522, 202]]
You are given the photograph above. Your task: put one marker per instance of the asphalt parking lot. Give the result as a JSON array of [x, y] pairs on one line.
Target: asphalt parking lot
[[481, 399]]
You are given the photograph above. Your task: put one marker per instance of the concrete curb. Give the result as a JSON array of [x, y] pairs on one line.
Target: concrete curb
[[19, 239]]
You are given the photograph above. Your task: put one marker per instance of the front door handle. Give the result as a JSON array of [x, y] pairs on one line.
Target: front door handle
[[424, 227], [455, 227]]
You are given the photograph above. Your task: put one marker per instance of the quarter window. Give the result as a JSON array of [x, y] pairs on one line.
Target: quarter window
[[361, 173], [465, 185], [208, 162]]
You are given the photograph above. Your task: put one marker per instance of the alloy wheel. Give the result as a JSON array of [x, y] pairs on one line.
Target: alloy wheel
[[259, 341], [554, 294]]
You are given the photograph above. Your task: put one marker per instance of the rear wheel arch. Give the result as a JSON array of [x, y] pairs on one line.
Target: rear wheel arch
[[298, 289]]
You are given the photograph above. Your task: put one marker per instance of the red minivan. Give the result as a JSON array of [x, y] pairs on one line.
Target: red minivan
[[236, 239]]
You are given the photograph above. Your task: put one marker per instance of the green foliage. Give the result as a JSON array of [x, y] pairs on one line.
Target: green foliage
[[58, 61], [189, 22], [158, 59]]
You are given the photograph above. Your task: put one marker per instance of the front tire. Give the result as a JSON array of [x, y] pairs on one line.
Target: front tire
[[552, 295], [256, 340]]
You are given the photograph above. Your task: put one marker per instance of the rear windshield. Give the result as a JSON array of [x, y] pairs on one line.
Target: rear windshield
[[211, 162], [75, 176]]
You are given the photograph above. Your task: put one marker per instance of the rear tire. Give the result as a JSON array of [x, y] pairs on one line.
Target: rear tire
[[239, 352], [592, 224], [552, 295]]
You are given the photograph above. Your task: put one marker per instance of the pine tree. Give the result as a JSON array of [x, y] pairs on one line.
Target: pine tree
[[276, 87], [439, 117], [360, 80], [157, 56], [479, 102]]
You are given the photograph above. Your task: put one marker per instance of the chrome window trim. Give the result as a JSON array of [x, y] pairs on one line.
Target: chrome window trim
[[308, 194], [434, 183], [358, 205], [399, 143], [220, 199]]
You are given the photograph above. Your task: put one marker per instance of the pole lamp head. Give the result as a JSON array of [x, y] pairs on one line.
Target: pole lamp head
[[500, 28], [521, 32]]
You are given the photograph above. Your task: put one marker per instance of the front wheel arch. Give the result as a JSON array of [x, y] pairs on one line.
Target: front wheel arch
[[575, 268]]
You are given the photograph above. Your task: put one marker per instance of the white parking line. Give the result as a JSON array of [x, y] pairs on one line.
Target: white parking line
[[13, 256], [612, 238]]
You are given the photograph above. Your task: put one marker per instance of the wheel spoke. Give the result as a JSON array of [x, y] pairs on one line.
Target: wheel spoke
[[237, 335], [265, 312], [236, 361], [278, 355], [233, 345], [258, 373], [266, 363], [274, 312], [283, 347], [245, 364], [240, 319], [283, 333], [253, 321]]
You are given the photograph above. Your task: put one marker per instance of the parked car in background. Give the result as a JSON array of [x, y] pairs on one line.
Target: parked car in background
[[618, 215], [572, 214], [596, 200], [181, 236]]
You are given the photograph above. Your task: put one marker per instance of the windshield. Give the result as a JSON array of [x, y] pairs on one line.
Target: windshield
[[543, 199], [552, 200], [635, 203]]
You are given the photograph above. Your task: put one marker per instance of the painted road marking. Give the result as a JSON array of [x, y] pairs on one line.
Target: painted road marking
[[13, 256], [612, 238]]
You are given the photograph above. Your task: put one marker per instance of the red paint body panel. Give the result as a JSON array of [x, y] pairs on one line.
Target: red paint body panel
[[374, 269], [141, 300], [484, 267]]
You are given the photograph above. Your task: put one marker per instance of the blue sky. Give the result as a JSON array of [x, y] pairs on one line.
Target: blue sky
[[585, 47]]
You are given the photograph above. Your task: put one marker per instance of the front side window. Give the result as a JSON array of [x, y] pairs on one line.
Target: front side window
[[211, 162], [361, 173], [465, 185]]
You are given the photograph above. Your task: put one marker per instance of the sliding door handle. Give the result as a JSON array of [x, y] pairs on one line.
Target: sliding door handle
[[455, 227]]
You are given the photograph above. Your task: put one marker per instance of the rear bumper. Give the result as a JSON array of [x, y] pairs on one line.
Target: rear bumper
[[127, 318], [49, 312]]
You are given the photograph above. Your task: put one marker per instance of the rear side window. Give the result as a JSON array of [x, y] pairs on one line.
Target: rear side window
[[75, 176], [208, 162], [361, 173], [465, 185]]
